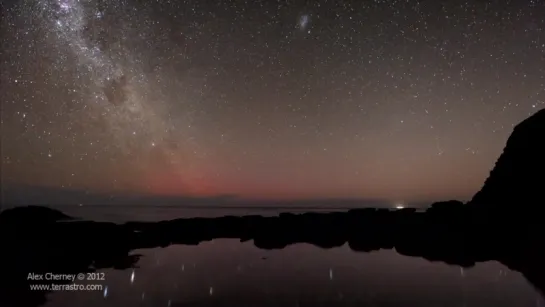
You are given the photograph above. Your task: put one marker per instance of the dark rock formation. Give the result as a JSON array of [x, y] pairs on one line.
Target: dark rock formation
[[517, 180], [32, 215], [447, 207], [438, 235]]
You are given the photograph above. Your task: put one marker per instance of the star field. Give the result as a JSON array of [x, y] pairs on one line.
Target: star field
[[399, 100]]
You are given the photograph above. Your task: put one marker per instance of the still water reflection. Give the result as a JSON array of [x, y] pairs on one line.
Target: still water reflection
[[230, 273]]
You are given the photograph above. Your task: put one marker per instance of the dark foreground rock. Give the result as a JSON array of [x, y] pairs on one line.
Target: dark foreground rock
[[517, 178], [443, 233], [32, 215]]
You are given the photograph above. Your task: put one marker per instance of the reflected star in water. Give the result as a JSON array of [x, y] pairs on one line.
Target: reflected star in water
[[282, 279]]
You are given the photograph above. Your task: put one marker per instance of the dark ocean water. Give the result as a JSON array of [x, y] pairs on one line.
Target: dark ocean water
[[229, 273], [120, 214]]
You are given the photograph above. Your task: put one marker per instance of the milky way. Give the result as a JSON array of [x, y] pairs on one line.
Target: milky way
[[112, 91], [402, 100]]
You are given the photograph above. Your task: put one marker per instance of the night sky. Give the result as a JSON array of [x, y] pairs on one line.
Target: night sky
[[398, 100]]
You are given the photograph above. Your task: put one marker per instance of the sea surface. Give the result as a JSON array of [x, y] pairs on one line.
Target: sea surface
[[230, 273], [125, 213]]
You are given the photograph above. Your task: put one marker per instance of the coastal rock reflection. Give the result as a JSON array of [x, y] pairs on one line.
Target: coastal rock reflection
[[295, 275]]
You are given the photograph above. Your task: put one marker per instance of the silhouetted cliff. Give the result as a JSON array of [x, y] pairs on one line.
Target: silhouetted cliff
[[517, 179]]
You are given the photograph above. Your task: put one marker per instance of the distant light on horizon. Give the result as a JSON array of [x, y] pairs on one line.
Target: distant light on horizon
[[400, 206]]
